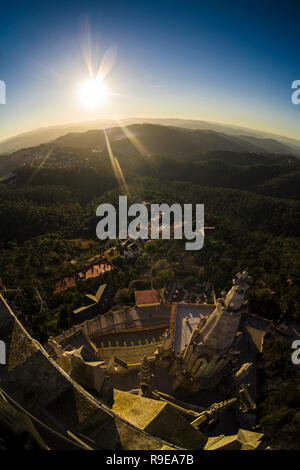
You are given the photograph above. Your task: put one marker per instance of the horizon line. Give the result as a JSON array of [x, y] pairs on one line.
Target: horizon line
[[225, 124]]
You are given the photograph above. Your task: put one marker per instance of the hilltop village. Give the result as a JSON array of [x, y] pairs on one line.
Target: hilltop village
[[179, 374], [123, 344], [173, 353]]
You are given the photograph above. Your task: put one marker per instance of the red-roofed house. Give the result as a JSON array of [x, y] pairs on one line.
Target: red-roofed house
[[147, 297]]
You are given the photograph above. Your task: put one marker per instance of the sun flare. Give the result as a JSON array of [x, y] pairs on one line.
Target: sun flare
[[92, 93]]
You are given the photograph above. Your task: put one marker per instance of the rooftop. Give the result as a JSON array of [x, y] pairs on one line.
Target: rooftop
[[34, 381], [187, 318], [130, 347], [147, 297]]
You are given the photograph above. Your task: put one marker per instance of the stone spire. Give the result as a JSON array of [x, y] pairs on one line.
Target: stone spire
[[211, 345], [145, 377]]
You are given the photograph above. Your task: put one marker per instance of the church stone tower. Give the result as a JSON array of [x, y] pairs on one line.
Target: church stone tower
[[213, 343]]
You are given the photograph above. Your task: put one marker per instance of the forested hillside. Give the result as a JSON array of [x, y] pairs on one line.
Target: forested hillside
[[47, 214], [48, 229]]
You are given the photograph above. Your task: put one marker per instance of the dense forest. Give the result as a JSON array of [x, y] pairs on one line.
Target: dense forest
[[279, 386], [48, 217], [48, 229]]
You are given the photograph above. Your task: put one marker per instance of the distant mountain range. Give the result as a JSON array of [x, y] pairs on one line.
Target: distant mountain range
[[169, 141], [207, 136], [165, 153], [137, 142]]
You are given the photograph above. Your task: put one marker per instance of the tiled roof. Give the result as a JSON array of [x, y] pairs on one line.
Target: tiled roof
[[145, 297]]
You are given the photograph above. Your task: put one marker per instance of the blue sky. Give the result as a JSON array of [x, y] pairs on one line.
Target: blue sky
[[223, 61]]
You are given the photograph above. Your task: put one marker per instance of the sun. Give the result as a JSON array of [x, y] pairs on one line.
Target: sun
[[92, 93]]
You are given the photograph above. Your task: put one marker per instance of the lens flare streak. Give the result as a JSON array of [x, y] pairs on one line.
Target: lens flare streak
[[118, 172], [134, 140], [33, 175]]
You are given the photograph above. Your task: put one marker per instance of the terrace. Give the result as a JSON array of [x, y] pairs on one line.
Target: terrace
[[86, 272]]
